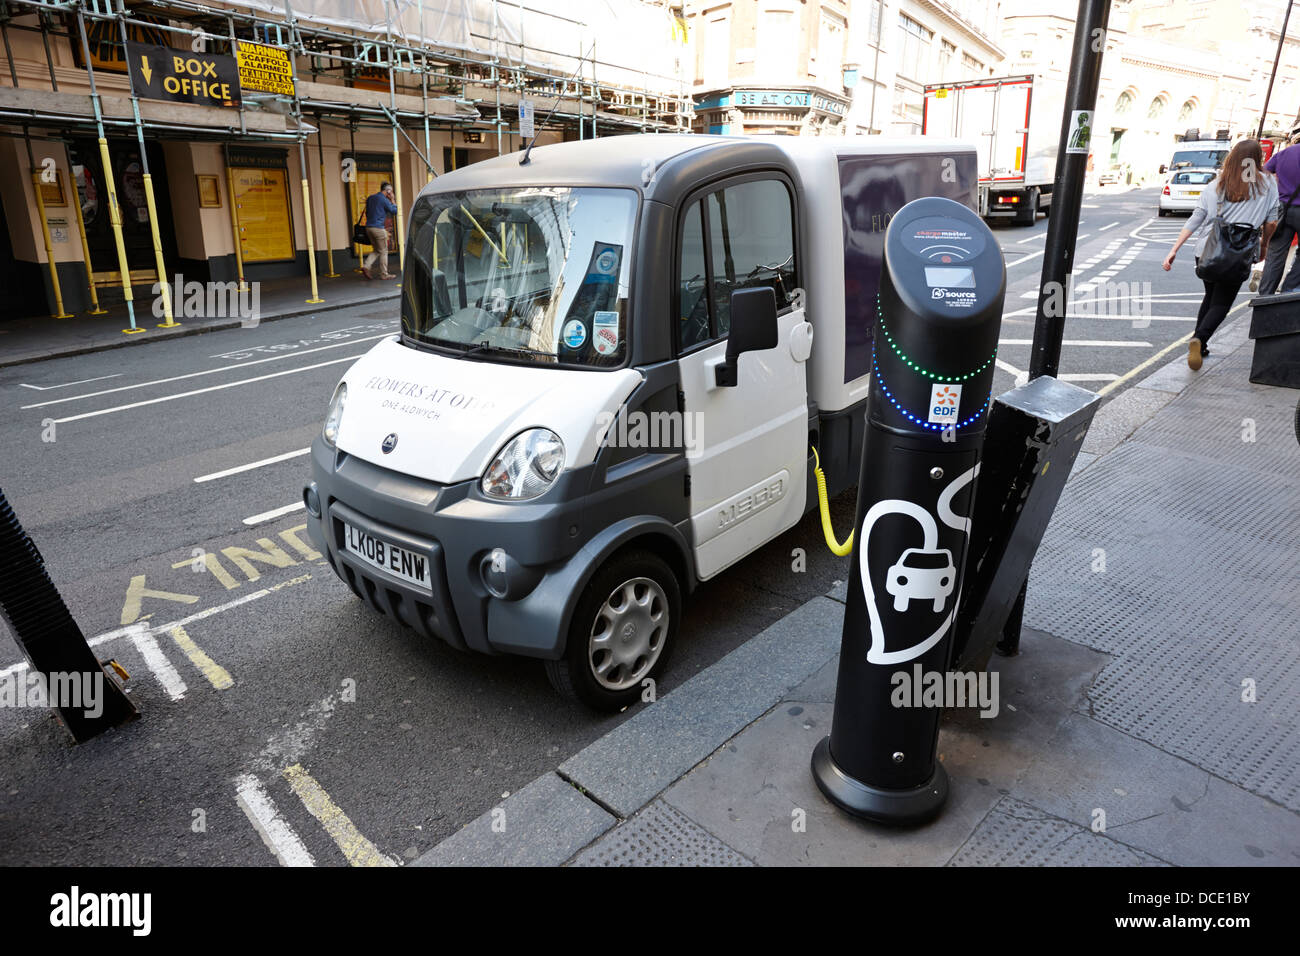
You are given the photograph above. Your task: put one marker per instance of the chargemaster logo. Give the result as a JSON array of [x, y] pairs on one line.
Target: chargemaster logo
[[390, 442]]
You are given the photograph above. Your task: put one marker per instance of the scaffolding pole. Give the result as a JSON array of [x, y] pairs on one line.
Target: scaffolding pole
[[302, 157], [58, 312], [164, 288], [95, 308], [324, 200], [397, 161], [235, 228], [114, 210]]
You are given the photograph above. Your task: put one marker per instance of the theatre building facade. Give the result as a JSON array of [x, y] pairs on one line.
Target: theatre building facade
[[240, 140]]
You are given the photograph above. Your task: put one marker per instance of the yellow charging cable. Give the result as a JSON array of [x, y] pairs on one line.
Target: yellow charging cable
[[836, 548]]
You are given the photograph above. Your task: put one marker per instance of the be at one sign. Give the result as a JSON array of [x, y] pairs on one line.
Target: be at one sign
[[164, 73]]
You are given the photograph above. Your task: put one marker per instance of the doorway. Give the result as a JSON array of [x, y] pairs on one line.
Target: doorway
[[137, 236]]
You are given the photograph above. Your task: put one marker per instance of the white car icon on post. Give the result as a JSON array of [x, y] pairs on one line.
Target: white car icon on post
[[921, 575]]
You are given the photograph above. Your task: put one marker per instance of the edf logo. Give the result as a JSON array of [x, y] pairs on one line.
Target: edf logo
[[944, 402]]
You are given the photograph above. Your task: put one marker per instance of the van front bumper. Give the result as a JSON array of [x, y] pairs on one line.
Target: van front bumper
[[456, 528]]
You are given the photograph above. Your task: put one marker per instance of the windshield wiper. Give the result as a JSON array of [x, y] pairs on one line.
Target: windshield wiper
[[479, 347]]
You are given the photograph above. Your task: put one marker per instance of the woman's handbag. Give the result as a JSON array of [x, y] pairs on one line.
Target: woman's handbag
[[1231, 248], [359, 234]]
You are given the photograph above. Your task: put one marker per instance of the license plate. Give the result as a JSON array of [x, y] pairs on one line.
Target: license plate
[[399, 562], [1193, 192]]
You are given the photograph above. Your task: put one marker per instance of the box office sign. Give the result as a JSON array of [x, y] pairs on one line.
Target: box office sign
[[164, 73], [264, 69]]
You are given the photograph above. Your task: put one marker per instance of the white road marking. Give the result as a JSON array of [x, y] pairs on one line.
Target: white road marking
[[209, 371], [201, 391], [277, 513], [275, 832], [1159, 355], [1088, 377], [46, 388], [1007, 367], [1088, 342], [1025, 258], [157, 662], [1041, 235], [1109, 225], [251, 465]]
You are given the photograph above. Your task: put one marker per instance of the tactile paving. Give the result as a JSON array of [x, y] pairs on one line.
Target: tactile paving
[[660, 835], [1017, 834], [1200, 593]]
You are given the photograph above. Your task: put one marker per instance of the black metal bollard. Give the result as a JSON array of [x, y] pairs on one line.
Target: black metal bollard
[[46, 633], [941, 291]]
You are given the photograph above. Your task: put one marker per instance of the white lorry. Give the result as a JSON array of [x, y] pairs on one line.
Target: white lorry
[[1015, 124], [607, 387]]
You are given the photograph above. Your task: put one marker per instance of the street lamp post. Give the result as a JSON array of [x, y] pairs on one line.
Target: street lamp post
[[1268, 94]]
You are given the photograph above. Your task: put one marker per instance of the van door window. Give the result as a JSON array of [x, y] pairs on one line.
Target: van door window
[[748, 230], [694, 325]]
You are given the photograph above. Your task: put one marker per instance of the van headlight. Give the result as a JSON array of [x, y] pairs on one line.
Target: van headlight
[[335, 416], [527, 465]]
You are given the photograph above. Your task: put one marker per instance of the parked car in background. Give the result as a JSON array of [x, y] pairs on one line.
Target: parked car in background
[[1183, 190], [1118, 174]]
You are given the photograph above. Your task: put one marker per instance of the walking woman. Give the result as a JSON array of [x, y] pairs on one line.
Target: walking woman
[[1243, 194]]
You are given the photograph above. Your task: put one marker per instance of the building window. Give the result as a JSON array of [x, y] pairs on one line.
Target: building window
[[1123, 103], [716, 50], [1157, 108], [946, 52], [828, 60], [1187, 112], [971, 68], [877, 18], [777, 33], [914, 57]]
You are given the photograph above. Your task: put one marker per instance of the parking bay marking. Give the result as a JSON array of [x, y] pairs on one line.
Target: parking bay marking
[[251, 465], [356, 848], [208, 371], [201, 391], [266, 820], [277, 513], [46, 388]]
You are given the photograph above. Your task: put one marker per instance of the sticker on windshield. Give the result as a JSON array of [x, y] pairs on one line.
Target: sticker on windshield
[[606, 261], [605, 332], [574, 335]]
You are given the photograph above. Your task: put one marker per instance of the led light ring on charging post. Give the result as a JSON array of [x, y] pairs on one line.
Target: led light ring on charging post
[[880, 321], [931, 426]]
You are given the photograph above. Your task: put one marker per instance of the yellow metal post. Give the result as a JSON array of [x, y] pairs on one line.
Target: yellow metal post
[[234, 229], [325, 208], [49, 248], [85, 253], [397, 188], [311, 243], [163, 287], [356, 248], [115, 217]]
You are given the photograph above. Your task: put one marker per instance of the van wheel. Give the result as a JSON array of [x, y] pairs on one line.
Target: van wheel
[[622, 632]]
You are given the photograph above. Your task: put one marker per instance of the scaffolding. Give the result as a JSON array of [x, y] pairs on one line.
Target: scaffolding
[[412, 66]]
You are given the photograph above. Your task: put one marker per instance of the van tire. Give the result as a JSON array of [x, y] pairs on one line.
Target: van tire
[[648, 581]]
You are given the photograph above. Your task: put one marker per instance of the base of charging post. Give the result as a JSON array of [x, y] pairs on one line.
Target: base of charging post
[[893, 807]]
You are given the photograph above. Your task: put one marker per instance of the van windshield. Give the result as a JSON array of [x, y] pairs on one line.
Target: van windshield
[[1202, 158], [533, 274]]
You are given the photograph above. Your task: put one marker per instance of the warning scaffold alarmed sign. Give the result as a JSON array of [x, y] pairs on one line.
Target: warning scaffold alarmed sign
[[165, 73]]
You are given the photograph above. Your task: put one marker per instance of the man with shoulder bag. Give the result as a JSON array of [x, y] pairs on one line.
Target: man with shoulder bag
[[1285, 165]]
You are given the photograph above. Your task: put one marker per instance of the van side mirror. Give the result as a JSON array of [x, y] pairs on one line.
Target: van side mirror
[[1164, 168], [753, 329]]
